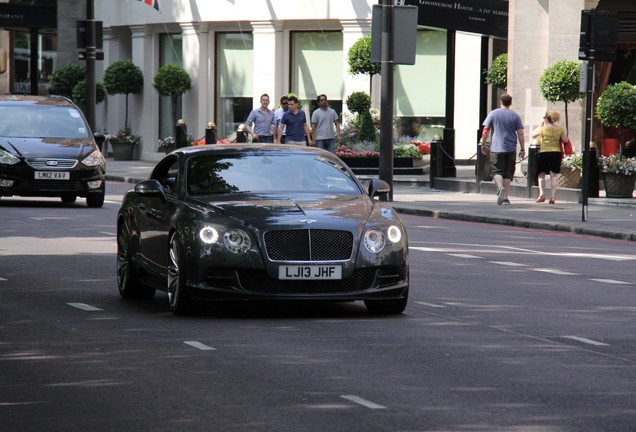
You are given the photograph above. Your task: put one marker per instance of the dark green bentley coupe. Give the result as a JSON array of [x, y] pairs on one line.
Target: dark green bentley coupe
[[260, 222]]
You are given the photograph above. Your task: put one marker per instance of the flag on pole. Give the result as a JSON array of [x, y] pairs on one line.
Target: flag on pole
[[153, 3]]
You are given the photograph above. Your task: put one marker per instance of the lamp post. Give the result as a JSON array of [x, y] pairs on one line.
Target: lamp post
[[91, 56]]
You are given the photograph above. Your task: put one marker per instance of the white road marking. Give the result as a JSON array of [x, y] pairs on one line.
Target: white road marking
[[508, 263], [107, 233], [3, 279], [585, 340], [199, 345], [611, 281], [430, 304], [424, 249], [464, 255], [556, 272], [84, 306], [363, 402]]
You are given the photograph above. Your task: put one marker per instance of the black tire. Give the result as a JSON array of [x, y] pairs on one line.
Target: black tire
[[127, 281], [387, 307], [96, 199], [178, 297], [69, 199]]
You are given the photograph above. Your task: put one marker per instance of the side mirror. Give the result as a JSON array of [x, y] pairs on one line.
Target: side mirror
[[378, 187], [150, 188]]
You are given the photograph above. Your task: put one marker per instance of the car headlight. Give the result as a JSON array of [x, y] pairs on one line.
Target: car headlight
[[208, 235], [394, 233], [94, 159], [374, 240], [7, 158], [237, 241]]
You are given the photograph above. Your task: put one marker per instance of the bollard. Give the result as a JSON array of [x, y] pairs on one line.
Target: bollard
[[436, 160], [482, 168], [532, 177], [593, 173], [180, 134], [210, 133]]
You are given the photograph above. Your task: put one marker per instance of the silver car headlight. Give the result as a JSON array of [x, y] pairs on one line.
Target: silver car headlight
[[237, 241], [7, 158], [94, 159], [394, 233], [374, 240], [208, 235]]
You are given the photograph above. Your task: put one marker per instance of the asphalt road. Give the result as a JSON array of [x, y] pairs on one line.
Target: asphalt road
[[507, 329]]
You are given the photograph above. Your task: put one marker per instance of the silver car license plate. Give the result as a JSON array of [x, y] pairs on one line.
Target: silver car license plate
[[310, 272], [52, 175]]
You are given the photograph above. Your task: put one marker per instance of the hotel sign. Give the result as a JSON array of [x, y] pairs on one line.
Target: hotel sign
[[14, 16], [485, 17]]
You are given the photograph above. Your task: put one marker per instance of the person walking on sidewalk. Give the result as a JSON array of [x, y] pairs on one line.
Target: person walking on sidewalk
[[322, 122], [549, 161], [295, 123], [278, 116], [263, 120], [506, 128]]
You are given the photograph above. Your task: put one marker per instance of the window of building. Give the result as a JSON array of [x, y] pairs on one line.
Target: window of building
[[47, 61], [420, 89], [170, 52], [234, 81], [316, 68]]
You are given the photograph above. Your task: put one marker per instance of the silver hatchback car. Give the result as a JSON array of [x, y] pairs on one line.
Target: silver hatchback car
[[48, 150]]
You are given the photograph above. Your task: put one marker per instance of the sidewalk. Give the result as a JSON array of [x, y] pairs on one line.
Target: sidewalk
[[412, 195]]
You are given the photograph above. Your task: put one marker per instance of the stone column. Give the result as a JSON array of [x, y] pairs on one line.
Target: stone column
[[143, 107], [195, 53], [266, 34]]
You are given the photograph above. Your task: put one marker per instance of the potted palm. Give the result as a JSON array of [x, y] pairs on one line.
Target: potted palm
[[616, 107]]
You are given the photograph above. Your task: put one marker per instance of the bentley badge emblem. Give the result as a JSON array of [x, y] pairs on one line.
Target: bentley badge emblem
[[307, 221]]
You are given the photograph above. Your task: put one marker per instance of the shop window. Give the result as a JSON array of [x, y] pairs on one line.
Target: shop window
[[317, 65], [234, 85]]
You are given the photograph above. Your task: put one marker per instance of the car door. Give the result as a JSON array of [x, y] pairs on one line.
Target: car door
[[156, 214]]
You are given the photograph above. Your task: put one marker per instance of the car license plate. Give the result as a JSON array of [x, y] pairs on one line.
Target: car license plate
[[52, 175], [310, 272]]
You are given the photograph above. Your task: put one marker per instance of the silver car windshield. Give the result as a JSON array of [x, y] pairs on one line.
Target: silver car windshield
[[286, 173], [41, 121]]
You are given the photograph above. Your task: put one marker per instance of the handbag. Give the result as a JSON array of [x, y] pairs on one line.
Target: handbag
[[566, 147]]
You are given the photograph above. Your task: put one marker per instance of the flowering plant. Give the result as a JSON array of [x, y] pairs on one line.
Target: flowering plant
[[618, 164], [344, 151], [165, 143], [425, 148], [572, 162], [406, 150], [125, 135]]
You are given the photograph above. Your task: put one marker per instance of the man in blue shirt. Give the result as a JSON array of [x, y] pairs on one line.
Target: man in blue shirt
[[295, 123], [506, 128], [262, 118]]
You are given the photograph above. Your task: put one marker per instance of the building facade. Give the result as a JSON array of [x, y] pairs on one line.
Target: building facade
[[236, 50]]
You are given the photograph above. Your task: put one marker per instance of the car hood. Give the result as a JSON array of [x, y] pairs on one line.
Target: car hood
[[309, 210], [76, 148]]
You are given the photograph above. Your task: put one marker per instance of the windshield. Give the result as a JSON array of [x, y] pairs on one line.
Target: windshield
[[41, 121], [268, 173]]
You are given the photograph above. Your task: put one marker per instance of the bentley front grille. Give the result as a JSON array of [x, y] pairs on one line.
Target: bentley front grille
[[309, 245]]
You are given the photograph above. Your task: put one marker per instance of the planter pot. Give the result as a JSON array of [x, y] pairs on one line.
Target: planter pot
[[374, 162], [619, 185], [122, 150], [570, 178]]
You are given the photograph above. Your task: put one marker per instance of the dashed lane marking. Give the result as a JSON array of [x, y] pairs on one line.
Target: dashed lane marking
[[468, 256], [508, 263], [363, 402], [556, 272], [199, 345], [430, 304], [84, 307], [611, 281], [585, 340]]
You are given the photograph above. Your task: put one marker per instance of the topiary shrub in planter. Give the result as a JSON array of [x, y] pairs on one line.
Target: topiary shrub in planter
[[616, 107], [123, 77], [172, 80], [360, 103], [65, 78], [560, 83], [497, 74]]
